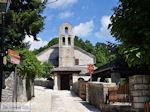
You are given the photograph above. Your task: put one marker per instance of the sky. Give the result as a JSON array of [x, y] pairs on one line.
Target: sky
[[89, 18]]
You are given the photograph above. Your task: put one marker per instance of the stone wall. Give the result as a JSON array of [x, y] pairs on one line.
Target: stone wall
[[44, 82], [17, 89], [76, 87], [140, 91], [96, 93], [7, 92]]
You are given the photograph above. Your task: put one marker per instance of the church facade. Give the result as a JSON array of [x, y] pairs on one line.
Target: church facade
[[70, 62]]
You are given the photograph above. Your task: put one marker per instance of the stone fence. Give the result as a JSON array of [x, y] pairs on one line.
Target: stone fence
[[17, 89], [76, 86], [97, 93], [140, 91], [44, 83]]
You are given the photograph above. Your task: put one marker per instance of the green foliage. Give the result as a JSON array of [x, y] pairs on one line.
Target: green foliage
[[51, 43], [30, 65], [130, 25], [47, 70], [103, 54], [23, 18], [132, 55], [86, 45]]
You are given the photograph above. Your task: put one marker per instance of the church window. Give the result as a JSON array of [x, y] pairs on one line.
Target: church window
[[76, 61], [66, 30], [69, 41], [63, 40]]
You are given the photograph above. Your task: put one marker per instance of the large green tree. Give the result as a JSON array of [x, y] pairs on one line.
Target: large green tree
[[23, 18], [131, 25], [30, 66], [103, 54]]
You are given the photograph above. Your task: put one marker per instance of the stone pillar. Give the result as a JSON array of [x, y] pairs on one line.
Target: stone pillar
[[115, 77], [55, 82], [140, 91], [75, 77]]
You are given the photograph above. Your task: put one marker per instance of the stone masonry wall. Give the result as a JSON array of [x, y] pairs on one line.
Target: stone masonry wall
[[76, 87], [97, 92], [44, 82], [7, 93], [140, 91], [16, 92]]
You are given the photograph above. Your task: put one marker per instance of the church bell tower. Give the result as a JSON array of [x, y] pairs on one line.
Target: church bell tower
[[66, 46]]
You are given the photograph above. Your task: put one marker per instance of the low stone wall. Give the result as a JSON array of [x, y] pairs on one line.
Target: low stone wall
[[44, 83], [140, 91], [96, 93], [7, 91], [17, 89], [76, 87]]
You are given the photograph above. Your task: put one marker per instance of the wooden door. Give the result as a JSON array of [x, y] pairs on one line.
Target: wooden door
[[65, 82]]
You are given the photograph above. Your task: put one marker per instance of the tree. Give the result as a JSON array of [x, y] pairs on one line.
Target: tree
[[30, 66], [47, 70], [51, 43], [79, 42], [130, 25], [89, 46], [103, 54], [23, 18]]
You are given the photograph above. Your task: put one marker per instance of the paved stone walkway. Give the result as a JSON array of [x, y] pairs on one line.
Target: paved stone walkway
[[42, 100], [47, 100]]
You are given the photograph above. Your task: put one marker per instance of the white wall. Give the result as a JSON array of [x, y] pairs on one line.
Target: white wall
[[50, 53], [84, 59]]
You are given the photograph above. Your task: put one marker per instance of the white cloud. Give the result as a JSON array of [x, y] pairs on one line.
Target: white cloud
[[64, 15], [61, 3], [104, 33], [84, 29], [35, 44]]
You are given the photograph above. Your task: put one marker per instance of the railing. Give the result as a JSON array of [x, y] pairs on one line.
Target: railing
[[119, 94]]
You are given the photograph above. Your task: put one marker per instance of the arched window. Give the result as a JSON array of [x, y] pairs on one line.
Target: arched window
[[69, 41], [63, 40], [66, 30]]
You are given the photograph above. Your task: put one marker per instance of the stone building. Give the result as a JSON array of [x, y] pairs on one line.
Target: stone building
[[70, 62]]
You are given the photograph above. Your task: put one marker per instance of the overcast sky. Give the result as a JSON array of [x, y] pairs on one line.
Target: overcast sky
[[90, 19]]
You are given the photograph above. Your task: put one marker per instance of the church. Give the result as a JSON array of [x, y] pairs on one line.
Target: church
[[70, 62]]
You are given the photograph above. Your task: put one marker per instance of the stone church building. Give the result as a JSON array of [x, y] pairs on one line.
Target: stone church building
[[70, 62]]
